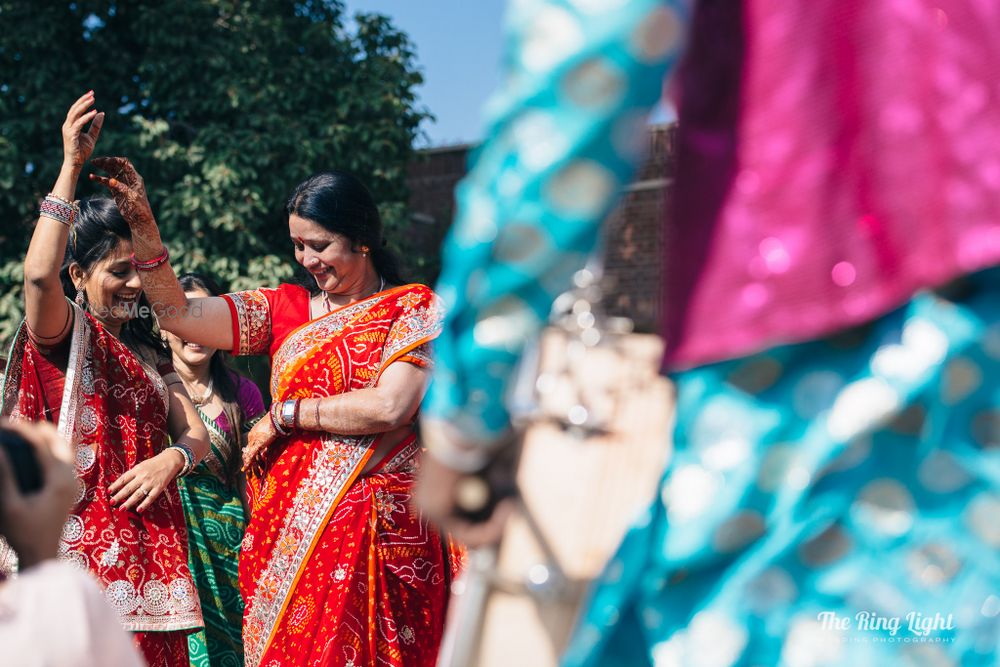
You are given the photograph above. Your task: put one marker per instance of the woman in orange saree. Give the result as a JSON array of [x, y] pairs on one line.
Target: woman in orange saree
[[336, 568]]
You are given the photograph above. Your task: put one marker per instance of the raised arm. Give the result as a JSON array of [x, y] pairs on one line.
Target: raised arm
[[46, 311], [203, 320]]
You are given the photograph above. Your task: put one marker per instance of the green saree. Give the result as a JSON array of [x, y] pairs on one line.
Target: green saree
[[216, 521]]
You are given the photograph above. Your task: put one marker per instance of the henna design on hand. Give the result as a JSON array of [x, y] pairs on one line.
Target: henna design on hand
[[129, 191]]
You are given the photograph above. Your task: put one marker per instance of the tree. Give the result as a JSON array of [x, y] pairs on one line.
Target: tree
[[224, 106]]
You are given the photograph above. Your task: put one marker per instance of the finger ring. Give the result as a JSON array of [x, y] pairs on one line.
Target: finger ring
[[145, 491]]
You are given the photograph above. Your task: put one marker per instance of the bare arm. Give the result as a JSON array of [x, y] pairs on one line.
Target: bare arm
[[46, 310], [204, 320], [390, 404]]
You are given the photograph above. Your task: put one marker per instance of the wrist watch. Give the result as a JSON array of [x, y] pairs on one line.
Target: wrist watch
[[288, 413]]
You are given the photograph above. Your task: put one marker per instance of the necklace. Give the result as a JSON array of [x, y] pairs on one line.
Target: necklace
[[329, 306], [204, 398]]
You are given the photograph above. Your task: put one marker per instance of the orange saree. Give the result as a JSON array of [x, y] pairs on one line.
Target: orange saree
[[336, 569]]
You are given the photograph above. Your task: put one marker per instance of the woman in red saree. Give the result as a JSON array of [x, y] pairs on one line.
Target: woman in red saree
[[336, 568], [95, 367]]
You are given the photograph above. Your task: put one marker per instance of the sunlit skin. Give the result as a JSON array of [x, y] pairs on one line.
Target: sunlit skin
[[112, 287], [343, 272], [192, 363]]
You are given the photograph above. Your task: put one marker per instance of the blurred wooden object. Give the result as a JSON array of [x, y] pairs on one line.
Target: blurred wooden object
[[590, 462]]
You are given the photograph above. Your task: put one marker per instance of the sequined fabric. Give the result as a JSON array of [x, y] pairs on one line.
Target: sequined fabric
[[834, 157], [854, 477]]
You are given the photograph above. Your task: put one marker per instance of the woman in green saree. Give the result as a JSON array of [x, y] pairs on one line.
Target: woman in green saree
[[213, 494]]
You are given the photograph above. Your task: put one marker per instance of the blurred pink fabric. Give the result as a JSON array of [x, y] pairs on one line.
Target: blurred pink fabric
[[851, 158]]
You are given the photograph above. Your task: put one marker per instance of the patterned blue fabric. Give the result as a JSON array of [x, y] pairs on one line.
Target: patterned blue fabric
[[566, 132], [810, 483], [820, 494]]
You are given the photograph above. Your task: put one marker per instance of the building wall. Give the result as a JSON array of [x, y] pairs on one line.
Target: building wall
[[633, 231]]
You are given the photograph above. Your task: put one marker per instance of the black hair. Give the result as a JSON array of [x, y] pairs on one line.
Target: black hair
[[223, 381], [98, 230], [340, 203]]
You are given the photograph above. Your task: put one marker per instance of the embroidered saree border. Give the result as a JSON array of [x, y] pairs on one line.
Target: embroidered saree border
[[334, 468], [217, 460], [294, 351], [162, 603], [15, 356], [251, 321], [335, 465]]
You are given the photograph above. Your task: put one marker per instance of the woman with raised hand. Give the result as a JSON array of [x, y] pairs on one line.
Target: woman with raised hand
[[88, 359], [230, 405], [336, 569]]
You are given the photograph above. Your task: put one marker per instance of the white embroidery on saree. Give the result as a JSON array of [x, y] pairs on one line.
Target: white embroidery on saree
[[331, 470], [253, 321]]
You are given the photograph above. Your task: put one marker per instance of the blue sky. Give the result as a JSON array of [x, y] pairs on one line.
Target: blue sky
[[458, 49]]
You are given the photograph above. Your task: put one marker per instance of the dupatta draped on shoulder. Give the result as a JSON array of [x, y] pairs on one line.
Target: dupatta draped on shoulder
[[112, 408], [335, 569]]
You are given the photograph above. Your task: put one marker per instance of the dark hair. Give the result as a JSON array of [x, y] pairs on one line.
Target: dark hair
[[340, 203], [218, 369], [96, 232]]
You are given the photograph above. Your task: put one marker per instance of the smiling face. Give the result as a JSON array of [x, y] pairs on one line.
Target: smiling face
[[329, 257], [112, 285], [189, 354]]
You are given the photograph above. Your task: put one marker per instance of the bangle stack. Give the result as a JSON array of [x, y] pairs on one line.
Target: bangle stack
[[155, 263], [188, 458], [59, 209], [285, 416]]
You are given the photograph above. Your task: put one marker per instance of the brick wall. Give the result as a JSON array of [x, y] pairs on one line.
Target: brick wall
[[634, 254]]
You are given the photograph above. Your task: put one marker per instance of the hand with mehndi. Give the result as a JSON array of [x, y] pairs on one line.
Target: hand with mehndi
[[129, 192], [259, 439]]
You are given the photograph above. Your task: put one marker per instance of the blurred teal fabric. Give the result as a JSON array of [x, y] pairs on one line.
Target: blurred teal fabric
[[855, 477], [567, 130], [819, 492]]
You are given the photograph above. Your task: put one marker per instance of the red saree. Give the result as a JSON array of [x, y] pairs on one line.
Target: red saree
[[335, 568], [112, 408]]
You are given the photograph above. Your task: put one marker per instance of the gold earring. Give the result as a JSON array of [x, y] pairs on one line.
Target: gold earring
[[365, 250]]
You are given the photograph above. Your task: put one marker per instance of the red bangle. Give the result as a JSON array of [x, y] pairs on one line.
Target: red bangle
[[149, 265]]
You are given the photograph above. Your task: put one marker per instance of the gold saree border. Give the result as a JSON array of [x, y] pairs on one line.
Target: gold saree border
[[335, 465]]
